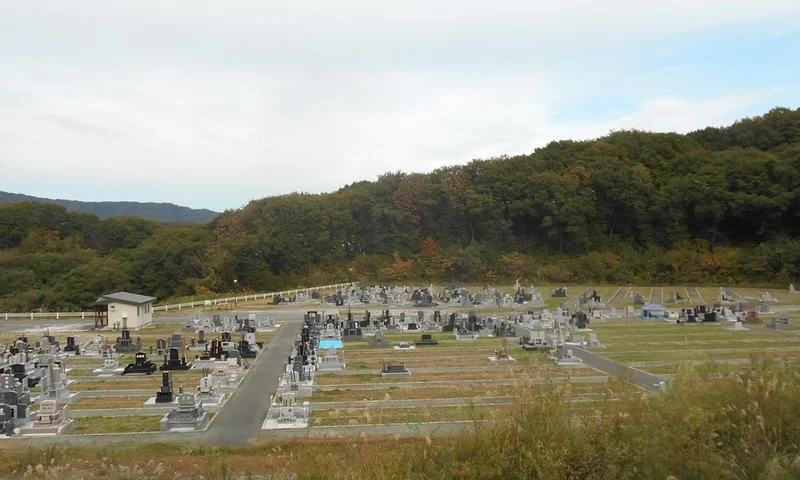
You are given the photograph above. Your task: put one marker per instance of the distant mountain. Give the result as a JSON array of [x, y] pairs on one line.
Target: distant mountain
[[160, 212]]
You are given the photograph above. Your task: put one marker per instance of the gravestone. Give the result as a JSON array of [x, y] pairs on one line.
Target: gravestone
[[780, 323], [72, 346], [54, 386], [567, 358], [161, 347], [286, 413], [394, 369], [426, 339], [174, 361], [126, 344], [791, 288], [16, 396], [176, 341], [49, 421], [223, 375], [164, 394], [190, 415], [378, 340], [331, 361], [6, 420], [140, 366], [594, 342]]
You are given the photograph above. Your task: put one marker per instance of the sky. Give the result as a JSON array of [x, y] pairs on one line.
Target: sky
[[211, 104]]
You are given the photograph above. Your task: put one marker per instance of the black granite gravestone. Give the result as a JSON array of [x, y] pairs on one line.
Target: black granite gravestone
[[164, 395], [140, 366]]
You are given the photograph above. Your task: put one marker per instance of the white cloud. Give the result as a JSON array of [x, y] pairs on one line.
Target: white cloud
[[215, 103]]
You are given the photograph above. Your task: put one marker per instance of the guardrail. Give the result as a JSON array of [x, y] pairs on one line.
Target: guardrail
[[251, 296], [179, 306], [56, 315]]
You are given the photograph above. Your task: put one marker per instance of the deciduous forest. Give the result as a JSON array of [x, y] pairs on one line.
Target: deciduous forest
[[718, 205]]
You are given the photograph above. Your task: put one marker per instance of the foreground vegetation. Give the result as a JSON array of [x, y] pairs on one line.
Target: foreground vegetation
[[714, 206], [738, 426]]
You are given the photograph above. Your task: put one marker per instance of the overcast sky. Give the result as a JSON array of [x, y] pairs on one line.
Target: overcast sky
[[214, 103]]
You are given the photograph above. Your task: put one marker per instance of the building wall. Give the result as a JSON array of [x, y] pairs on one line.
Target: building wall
[[138, 316]]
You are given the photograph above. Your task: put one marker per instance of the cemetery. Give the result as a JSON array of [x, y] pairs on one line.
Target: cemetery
[[89, 375], [404, 362]]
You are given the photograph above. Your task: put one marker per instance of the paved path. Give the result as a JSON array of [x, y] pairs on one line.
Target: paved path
[[500, 367], [643, 379], [406, 429], [240, 419], [444, 402], [461, 383], [657, 296], [694, 296], [618, 297]]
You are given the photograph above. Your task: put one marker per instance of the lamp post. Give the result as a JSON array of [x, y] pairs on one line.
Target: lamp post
[[235, 292]]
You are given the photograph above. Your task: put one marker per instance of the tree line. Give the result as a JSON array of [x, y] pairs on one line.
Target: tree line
[[718, 205]]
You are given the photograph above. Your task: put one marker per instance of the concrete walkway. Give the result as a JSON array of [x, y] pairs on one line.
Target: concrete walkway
[[490, 366], [443, 402], [460, 383], [240, 419], [618, 370]]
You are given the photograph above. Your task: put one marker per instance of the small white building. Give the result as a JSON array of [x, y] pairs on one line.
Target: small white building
[[123, 309]]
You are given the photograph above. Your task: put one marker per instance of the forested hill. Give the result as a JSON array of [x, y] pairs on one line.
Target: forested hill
[[720, 205], [160, 212]]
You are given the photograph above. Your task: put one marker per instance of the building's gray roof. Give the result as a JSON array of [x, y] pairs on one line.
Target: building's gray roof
[[124, 297]]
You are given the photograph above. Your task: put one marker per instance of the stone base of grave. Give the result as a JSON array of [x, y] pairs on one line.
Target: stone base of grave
[[466, 337], [274, 424], [779, 327], [196, 348], [151, 402], [569, 361], [506, 359], [61, 429], [63, 399], [216, 401], [100, 372], [373, 343], [228, 383], [201, 364], [407, 373], [167, 425], [302, 391], [409, 347], [337, 367], [534, 347]]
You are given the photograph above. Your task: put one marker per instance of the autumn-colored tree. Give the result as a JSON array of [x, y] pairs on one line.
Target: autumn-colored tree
[[514, 264]]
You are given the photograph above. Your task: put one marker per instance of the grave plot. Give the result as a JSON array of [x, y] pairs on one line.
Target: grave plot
[[434, 362], [124, 424], [448, 383], [427, 352], [461, 392], [503, 374], [660, 348], [109, 402]]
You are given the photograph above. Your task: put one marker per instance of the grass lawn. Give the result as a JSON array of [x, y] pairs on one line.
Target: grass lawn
[[139, 423], [109, 403]]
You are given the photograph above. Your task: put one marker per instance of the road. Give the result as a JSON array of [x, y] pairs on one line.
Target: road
[[240, 419], [617, 370]]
